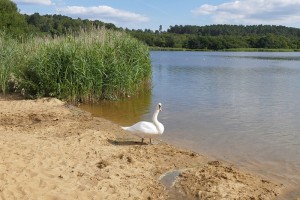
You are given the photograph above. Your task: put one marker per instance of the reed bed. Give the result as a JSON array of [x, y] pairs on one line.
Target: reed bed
[[10, 57], [101, 64]]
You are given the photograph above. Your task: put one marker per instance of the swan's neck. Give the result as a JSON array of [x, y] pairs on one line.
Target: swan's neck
[[154, 118], [158, 125]]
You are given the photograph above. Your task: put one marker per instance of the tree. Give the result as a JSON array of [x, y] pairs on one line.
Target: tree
[[160, 28], [11, 20], [170, 42]]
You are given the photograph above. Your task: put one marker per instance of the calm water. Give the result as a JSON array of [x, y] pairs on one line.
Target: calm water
[[239, 107]]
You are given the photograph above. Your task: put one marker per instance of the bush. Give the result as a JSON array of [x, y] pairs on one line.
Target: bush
[[101, 64]]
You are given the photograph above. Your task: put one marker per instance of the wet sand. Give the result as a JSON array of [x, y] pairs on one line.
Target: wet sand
[[51, 150]]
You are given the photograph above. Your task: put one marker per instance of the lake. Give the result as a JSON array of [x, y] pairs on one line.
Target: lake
[[242, 107]]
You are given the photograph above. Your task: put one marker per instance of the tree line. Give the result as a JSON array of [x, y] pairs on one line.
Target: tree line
[[57, 25], [222, 37], [210, 37], [20, 25]]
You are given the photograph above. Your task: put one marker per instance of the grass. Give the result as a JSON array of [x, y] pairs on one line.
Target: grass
[[5, 57], [101, 64], [10, 55]]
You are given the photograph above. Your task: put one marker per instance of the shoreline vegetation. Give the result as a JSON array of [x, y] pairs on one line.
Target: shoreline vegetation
[[222, 37], [95, 65], [224, 50]]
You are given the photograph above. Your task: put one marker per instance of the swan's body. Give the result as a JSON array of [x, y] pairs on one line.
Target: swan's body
[[144, 129]]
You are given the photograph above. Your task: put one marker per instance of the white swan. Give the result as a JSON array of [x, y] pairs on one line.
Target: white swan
[[147, 129]]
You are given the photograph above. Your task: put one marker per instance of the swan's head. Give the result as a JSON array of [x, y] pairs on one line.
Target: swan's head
[[159, 107]]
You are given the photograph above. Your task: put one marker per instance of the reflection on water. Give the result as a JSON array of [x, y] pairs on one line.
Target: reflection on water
[[242, 107], [123, 112]]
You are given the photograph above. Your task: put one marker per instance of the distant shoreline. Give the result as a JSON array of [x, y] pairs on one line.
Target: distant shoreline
[[224, 50]]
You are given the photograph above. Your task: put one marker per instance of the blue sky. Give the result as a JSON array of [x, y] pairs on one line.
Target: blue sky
[[142, 14]]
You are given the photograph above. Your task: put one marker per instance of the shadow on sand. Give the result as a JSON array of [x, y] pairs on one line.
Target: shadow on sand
[[122, 142]]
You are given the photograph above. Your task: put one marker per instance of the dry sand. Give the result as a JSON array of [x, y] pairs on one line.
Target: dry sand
[[50, 150]]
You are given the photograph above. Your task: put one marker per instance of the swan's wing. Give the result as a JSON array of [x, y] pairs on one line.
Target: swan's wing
[[143, 127]]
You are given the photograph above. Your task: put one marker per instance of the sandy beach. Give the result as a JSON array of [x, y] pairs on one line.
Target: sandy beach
[[53, 151]]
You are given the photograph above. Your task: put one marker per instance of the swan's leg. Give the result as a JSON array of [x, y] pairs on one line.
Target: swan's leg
[[150, 141], [142, 140]]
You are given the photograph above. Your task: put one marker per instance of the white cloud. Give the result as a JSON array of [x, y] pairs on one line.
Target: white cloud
[[278, 12], [104, 13], [34, 2]]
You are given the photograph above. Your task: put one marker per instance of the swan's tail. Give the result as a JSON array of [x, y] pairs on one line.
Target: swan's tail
[[125, 128]]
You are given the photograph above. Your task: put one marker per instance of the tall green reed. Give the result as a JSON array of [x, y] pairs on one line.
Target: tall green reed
[[101, 64], [10, 57], [5, 56]]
